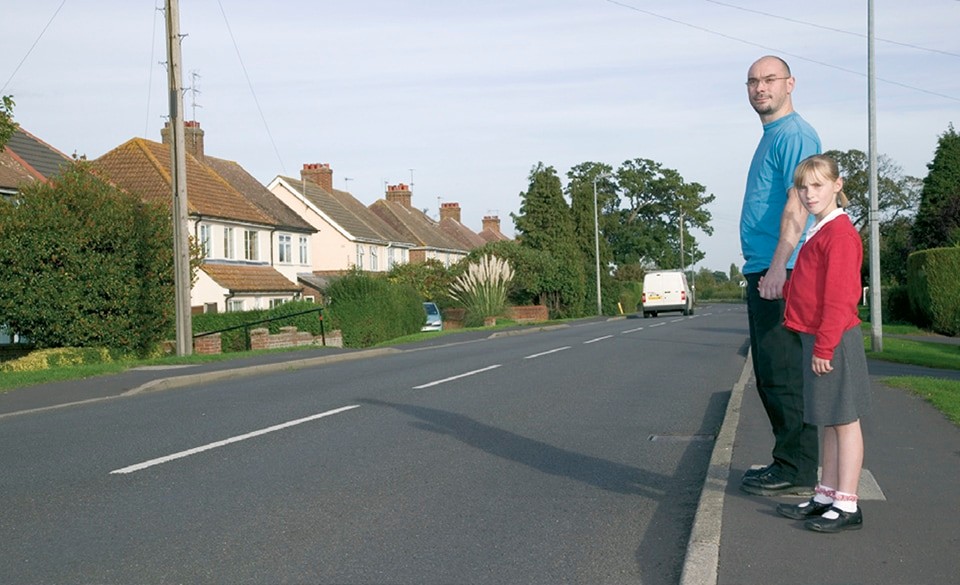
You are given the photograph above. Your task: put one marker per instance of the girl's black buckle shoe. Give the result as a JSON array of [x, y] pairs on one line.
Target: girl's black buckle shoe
[[845, 521], [803, 511]]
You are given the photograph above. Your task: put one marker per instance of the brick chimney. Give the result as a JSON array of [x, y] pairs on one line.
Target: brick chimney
[[451, 210], [491, 222], [192, 138], [401, 194], [319, 174]]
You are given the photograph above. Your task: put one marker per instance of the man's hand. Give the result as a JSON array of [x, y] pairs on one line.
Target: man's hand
[[771, 284], [821, 366]]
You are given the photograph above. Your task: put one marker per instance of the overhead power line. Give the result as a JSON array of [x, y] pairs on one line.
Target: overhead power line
[[250, 85], [33, 46], [836, 30], [779, 51]]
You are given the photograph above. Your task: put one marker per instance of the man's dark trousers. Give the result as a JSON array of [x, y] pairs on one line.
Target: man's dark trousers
[[777, 363]]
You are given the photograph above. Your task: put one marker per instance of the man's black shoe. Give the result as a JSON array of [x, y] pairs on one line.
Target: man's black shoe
[[755, 471], [771, 484]]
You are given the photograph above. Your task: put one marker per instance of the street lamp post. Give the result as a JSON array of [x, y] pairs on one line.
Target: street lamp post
[[596, 237]]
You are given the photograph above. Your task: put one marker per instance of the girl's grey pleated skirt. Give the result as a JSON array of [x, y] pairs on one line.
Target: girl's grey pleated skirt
[[843, 395]]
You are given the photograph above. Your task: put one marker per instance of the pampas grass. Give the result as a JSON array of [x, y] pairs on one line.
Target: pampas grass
[[482, 289]]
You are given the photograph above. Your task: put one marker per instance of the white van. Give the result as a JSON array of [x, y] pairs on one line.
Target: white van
[[666, 290]]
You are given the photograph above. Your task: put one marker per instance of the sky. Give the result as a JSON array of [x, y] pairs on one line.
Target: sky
[[462, 99]]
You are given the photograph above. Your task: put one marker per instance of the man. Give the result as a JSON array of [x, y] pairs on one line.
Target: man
[[772, 223]]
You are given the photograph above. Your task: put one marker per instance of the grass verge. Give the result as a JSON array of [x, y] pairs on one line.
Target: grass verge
[[944, 395], [12, 380], [918, 353]]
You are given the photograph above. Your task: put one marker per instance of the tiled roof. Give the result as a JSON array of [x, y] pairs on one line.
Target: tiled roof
[[348, 213], [13, 172], [461, 233], [143, 167], [256, 193], [414, 224], [242, 278], [370, 218], [492, 235], [36, 153]]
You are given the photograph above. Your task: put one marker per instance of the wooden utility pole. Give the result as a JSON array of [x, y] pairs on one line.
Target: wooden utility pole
[[181, 245]]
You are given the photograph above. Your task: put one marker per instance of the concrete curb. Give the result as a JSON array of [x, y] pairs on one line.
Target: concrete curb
[[220, 375], [700, 567], [185, 380]]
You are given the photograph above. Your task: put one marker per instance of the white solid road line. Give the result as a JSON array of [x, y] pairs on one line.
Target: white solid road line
[[541, 354], [207, 447], [464, 375]]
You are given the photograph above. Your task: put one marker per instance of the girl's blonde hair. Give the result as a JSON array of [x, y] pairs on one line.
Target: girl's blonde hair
[[826, 168]]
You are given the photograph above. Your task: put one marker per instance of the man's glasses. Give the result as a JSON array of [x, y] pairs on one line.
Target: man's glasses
[[754, 83]]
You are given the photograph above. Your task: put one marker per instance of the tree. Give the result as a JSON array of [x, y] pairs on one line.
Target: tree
[[657, 200], [545, 223], [895, 248], [429, 278], [897, 195], [938, 220], [735, 273], [86, 265], [591, 228], [7, 125]]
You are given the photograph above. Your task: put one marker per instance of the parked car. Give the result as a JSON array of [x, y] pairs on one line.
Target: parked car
[[666, 290], [434, 320]]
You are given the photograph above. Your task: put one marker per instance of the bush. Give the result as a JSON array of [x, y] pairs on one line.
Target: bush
[[896, 305], [631, 294], [84, 264], [43, 359], [370, 309], [933, 279]]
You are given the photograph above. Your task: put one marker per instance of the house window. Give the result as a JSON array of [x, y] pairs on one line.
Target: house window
[[228, 251], [304, 259], [391, 261], [277, 302], [374, 262], [206, 246], [360, 256], [284, 249], [250, 249], [234, 306]]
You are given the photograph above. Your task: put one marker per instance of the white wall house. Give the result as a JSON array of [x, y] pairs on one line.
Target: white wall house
[[241, 227], [348, 235]]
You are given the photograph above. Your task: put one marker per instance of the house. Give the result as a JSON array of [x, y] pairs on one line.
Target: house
[[26, 159], [348, 235], [491, 229], [431, 242], [252, 247], [450, 224]]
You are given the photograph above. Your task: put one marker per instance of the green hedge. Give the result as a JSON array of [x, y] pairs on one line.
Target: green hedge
[[370, 309], [933, 278]]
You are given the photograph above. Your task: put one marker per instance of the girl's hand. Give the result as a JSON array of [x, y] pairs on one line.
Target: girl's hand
[[821, 366]]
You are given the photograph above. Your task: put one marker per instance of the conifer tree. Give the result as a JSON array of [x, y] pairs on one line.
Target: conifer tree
[[938, 220]]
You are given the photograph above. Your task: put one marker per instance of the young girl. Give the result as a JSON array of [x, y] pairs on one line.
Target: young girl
[[822, 298]]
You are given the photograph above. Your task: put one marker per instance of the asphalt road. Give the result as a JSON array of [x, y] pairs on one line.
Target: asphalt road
[[574, 455]]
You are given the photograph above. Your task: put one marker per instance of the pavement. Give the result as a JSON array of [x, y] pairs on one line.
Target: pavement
[[910, 486]]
